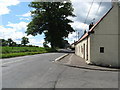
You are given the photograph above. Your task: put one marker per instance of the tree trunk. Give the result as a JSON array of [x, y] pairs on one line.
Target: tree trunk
[[52, 45]]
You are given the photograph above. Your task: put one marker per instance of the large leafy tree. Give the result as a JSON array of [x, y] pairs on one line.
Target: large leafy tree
[[3, 42], [24, 41], [10, 42], [51, 19]]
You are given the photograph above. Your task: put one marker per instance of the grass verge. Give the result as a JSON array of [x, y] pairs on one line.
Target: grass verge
[[8, 52]]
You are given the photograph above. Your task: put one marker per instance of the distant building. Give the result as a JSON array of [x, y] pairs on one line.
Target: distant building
[[100, 44]]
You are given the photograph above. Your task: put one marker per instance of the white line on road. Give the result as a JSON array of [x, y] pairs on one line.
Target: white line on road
[[13, 61], [70, 60], [59, 58]]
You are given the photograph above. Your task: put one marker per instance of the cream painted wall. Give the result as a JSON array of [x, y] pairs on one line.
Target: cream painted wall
[[110, 55], [80, 45], [78, 48], [119, 36], [106, 35], [109, 23]]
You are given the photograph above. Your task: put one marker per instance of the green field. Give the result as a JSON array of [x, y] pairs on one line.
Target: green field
[[7, 52]]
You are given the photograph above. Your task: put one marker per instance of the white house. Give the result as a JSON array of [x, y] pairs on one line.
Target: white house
[[100, 44]]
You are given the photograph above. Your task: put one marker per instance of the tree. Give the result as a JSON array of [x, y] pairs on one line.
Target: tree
[[14, 44], [24, 41], [45, 44], [51, 19], [3, 42], [10, 42], [65, 44]]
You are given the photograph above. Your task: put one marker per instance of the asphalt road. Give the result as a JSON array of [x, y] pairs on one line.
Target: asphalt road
[[38, 71]]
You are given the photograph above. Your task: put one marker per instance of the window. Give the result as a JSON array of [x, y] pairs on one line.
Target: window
[[101, 49]]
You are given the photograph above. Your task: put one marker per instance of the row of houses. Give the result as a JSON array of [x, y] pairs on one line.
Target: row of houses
[[100, 44]]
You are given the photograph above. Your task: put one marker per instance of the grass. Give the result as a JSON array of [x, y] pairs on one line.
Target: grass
[[7, 52]]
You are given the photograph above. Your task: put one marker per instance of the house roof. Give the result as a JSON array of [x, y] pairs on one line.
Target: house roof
[[92, 29], [74, 43]]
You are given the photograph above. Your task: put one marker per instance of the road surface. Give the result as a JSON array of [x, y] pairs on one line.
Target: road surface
[[38, 71]]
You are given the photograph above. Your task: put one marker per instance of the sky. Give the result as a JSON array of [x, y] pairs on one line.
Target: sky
[[15, 15]]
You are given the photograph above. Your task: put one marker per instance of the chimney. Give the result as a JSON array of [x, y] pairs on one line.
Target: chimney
[[115, 2], [91, 25]]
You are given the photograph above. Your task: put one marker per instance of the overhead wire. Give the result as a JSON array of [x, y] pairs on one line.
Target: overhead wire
[[98, 10], [88, 13]]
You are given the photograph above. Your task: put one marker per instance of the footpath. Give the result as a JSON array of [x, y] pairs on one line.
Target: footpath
[[73, 60]]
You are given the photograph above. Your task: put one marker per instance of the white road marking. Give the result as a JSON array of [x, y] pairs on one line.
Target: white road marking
[[13, 61], [70, 60], [60, 57]]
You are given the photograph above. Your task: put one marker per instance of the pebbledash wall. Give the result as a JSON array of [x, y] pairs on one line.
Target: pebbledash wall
[[101, 47]]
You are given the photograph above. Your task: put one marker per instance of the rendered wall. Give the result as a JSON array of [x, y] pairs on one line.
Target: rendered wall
[[106, 35], [80, 50], [119, 35]]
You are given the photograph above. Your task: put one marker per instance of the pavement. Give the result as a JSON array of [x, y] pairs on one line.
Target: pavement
[[73, 60]]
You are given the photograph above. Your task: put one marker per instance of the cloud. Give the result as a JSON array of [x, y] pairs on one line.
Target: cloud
[[28, 14], [14, 31], [72, 37], [18, 26], [81, 9], [4, 4], [33, 41], [25, 16], [77, 25], [10, 33], [28, 19]]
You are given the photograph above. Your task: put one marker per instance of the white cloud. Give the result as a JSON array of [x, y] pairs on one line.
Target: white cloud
[[14, 31], [25, 16], [36, 42], [25, 19], [28, 14], [18, 26], [81, 8], [72, 37], [4, 4], [79, 25], [10, 33]]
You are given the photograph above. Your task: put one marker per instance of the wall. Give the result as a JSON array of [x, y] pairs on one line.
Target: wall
[[79, 49], [119, 36], [106, 35]]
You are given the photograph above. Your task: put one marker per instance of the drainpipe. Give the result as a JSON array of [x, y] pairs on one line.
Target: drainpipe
[[87, 47]]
